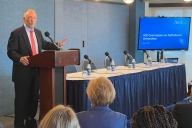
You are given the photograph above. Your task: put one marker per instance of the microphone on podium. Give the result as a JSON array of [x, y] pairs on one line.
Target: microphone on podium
[[47, 34]]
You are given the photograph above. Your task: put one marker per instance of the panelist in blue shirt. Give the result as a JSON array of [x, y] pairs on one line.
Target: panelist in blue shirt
[[101, 93]]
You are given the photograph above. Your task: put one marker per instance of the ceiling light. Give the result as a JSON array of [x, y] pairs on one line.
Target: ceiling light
[[187, 0], [128, 1]]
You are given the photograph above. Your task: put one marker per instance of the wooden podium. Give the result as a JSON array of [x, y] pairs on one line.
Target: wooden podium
[[48, 62]]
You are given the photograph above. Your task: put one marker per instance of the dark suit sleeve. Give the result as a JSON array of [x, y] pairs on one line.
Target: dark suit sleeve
[[12, 48], [176, 113]]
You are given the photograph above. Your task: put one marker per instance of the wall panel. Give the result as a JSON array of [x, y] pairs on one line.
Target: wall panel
[[103, 27]]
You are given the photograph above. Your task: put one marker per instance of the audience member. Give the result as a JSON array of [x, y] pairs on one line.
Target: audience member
[[101, 93], [183, 115], [153, 117], [60, 117]]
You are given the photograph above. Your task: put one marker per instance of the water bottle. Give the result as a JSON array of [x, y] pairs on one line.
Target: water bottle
[[88, 70], [150, 61], [112, 65], [165, 59], [133, 63], [84, 73]]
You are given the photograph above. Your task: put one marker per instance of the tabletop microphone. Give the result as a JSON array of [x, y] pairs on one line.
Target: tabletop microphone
[[47, 34], [125, 52], [87, 58], [107, 54], [128, 55], [146, 53]]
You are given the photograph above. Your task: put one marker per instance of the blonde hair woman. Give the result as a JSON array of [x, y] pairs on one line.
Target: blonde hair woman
[[60, 117], [101, 93]]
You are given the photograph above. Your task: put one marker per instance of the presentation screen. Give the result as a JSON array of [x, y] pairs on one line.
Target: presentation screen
[[164, 33]]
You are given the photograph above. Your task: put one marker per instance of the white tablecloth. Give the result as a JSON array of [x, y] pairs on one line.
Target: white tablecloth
[[120, 70]]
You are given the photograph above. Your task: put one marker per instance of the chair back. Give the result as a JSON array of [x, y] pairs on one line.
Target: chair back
[[71, 69], [172, 60]]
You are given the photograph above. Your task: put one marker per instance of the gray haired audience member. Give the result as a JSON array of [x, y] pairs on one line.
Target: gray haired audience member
[[153, 117]]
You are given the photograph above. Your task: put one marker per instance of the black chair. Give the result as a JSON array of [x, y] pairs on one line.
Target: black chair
[[172, 60], [189, 88], [71, 69]]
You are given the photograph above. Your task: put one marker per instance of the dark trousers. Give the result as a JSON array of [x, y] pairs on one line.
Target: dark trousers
[[26, 100]]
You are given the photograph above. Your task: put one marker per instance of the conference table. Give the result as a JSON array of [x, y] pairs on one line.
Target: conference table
[[161, 83]]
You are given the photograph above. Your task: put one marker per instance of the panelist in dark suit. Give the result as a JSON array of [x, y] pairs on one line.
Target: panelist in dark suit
[[183, 115], [24, 42], [101, 93]]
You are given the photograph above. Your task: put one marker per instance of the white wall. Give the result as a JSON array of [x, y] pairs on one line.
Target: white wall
[[184, 56]]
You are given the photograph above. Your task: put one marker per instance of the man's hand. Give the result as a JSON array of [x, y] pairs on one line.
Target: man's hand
[[24, 60], [62, 42]]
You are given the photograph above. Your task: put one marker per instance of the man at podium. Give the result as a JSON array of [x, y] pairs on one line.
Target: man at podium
[[24, 42]]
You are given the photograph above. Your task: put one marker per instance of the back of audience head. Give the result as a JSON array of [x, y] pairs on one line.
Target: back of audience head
[[101, 91], [60, 117], [153, 117]]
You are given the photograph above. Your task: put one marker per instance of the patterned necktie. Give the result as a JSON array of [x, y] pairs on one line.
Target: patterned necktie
[[33, 47]]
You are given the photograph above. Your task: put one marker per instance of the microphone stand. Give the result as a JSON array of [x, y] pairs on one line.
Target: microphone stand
[[83, 61], [126, 60], [105, 62], [110, 59], [92, 62], [60, 49]]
